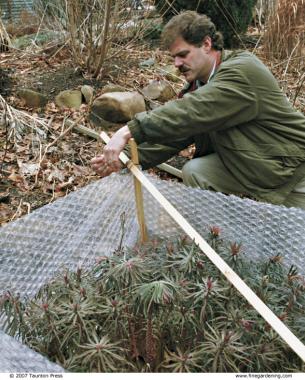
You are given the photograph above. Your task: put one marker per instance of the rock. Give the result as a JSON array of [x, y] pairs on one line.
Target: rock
[[88, 93], [28, 169], [117, 107], [170, 72], [69, 99], [98, 121], [150, 12], [32, 98], [28, 37], [152, 104], [111, 87], [158, 90], [147, 63]]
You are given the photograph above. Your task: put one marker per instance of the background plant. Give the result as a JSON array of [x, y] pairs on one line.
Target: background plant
[[162, 307], [97, 30], [232, 18], [286, 44]]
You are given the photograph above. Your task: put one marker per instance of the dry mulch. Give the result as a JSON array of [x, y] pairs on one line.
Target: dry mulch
[[66, 165]]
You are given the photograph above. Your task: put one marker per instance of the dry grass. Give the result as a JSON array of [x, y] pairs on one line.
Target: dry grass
[[284, 38], [5, 41], [284, 48]]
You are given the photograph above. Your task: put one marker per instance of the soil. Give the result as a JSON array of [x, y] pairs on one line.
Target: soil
[[62, 78]]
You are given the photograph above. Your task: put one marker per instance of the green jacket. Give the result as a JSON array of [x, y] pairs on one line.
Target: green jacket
[[243, 116]]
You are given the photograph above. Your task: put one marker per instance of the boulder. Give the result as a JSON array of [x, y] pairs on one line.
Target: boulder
[[111, 87], [159, 90], [69, 99], [117, 107], [148, 62], [32, 98], [87, 92], [170, 72]]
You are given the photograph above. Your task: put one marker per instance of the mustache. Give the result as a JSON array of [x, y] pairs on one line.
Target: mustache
[[183, 69]]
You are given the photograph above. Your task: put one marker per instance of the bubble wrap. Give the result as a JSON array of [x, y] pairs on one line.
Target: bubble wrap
[[16, 357], [86, 224]]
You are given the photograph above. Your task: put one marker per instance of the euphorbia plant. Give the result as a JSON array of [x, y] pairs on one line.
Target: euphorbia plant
[[163, 307]]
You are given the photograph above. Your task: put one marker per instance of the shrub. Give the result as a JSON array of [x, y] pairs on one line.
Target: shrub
[[231, 17]]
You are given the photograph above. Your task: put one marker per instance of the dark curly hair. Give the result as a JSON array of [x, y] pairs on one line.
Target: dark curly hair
[[193, 28]]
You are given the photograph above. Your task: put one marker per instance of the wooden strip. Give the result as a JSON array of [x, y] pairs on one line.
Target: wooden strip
[[92, 133], [138, 193], [170, 169], [296, 345]]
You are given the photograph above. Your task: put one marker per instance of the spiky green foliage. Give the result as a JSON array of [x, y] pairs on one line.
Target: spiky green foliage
[[163, 307], [231, 17]]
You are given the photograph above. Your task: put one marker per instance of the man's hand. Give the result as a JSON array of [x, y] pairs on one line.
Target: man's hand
[[109, 161]]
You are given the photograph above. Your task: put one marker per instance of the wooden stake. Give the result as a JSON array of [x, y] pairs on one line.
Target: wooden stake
[[296, 345], [138, 192]]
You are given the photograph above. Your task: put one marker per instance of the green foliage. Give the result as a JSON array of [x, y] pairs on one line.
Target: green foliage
[[231, 17], [152, 29], [162, 307]]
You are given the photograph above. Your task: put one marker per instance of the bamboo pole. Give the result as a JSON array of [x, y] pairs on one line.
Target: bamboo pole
[[296, 345], [138, 192]]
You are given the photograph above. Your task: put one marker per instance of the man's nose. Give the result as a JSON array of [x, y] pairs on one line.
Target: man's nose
[[178, 61]]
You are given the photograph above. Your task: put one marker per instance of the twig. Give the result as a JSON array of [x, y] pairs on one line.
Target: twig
[[5, 35], [17, 211], [4, 120], [293, 50], [104, 43], [17, 117]]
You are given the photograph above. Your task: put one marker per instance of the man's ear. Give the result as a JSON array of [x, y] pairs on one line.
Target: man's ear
[[207, 44]]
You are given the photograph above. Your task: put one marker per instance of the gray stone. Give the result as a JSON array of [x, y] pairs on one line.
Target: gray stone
[[69, 99], [170, 72], [148, 62], [88, 93], [117, 107], [159, 90], [32, 98], [111, 87]]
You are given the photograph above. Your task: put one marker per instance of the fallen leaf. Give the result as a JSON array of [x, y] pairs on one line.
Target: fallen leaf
[[55, 174], [14, 177], [5, 213], [5, 196], [80, 170], [28, 169], [64, 185]]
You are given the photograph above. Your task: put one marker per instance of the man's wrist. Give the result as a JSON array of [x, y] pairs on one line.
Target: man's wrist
[[136, 132], [126, 133]]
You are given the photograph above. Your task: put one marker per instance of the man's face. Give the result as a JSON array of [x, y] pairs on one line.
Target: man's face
[[194, 62]]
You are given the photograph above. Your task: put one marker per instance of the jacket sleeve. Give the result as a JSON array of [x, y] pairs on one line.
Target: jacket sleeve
[[151, 155], [228, 100]]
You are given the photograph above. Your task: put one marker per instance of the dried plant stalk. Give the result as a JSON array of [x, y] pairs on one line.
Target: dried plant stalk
[[285, 35], [4, 37], [19, 121]]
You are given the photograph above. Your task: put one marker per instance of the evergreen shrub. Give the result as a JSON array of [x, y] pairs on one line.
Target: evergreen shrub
[[231, 17]]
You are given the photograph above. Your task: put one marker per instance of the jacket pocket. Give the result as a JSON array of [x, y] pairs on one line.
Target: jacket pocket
[[259, 168]]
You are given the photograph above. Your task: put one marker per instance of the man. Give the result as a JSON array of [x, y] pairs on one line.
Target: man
[[249, 140]]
